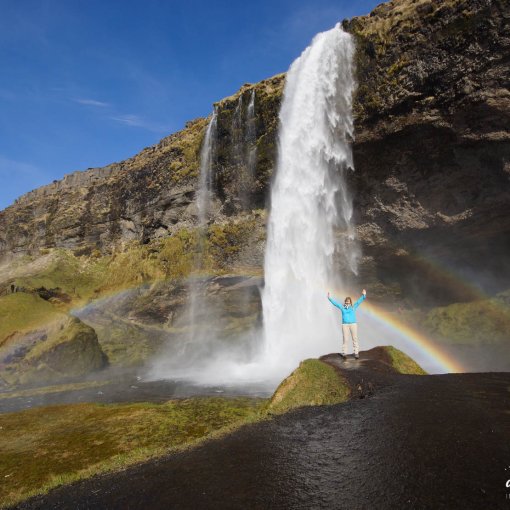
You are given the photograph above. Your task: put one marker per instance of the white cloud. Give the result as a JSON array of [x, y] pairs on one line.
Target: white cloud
[[137, 121], [91, 102]]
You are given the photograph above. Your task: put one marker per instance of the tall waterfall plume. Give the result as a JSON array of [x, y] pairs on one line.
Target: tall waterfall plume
[[310, 203], [310, 222]]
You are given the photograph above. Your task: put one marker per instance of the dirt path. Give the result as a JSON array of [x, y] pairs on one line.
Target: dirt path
[[417, 442]]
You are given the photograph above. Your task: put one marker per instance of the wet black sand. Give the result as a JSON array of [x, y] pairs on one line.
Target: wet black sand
[[429, 442]]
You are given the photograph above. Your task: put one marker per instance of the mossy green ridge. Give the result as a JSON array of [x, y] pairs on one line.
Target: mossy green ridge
[[312, 383], [50, 286], [402, 363], [79, 278], [481, 322], [46, 447]]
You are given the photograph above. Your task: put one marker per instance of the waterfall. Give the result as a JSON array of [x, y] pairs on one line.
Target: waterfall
[[205, 179], [193, 345], [310, 222], [243, 146], [251, 137], [309, 202], [195, 337], [237, 138]]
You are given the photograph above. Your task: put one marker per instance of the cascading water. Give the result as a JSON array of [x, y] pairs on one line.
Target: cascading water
[[243, 146], [310, 204], [191, 347], [194, 338], [206, 160], [251, 137], [309, 201]]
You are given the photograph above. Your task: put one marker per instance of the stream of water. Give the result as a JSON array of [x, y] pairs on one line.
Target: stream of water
[[309, 222], [309, 201]]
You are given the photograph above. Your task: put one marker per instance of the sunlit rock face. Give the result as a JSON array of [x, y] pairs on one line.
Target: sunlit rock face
[[431, 152]]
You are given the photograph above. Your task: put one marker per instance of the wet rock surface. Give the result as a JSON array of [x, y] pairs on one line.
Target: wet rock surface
[[413, 442]]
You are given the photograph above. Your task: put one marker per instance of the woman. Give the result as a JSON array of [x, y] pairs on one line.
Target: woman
[[349, 321]]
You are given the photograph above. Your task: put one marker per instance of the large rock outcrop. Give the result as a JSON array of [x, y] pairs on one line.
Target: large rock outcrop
[[63, 349]]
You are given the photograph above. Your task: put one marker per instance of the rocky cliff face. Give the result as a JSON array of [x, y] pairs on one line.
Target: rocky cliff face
[[432, 157], [152, 194], [432, 151]]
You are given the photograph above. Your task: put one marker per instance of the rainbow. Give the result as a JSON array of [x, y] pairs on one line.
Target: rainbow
[[425, 345], [437, 356]]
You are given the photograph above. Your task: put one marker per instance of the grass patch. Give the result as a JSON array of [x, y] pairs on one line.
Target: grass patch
[[402, 363], [77, 277], [22, 311], [312, 383], [46, 390], [45, 447]]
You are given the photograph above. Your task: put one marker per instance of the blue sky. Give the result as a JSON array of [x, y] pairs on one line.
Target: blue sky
[[87, 83]]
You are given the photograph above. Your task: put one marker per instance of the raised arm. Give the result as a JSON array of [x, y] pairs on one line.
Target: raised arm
[[361, 299], [333, 302]]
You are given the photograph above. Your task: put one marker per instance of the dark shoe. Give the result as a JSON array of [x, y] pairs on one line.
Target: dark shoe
[[343, 356], [356, 356]]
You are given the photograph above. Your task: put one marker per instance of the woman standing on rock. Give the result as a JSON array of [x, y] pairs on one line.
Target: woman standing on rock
[[349, 325]]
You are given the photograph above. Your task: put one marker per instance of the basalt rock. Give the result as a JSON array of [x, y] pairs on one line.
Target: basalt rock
[[432, 150]]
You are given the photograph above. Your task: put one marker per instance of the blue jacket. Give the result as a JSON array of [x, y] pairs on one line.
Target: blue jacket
[[348, 312]]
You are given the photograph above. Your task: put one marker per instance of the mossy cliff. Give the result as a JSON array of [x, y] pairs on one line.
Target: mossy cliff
[[432, 152], [431, 187], [431, 116]]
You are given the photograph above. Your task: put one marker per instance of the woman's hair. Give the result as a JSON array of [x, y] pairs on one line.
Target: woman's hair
[[347, 299]]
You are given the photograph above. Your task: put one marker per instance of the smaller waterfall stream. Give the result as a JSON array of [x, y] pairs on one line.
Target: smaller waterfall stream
[[206, 161], [251, 137], [243, 146], [193, 345]]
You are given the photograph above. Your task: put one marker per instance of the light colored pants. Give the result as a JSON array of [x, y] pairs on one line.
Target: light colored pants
[[352, 330]]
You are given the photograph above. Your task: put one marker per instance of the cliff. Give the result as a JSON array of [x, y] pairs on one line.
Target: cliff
[[431, 155]]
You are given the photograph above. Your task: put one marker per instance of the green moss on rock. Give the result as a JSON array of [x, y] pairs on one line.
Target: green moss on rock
[[312, 383], [65, 349], [479, 322], [23, 311], [402, 363]]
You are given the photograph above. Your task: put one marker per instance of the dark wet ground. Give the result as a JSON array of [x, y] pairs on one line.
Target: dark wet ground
[[431, 442]]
